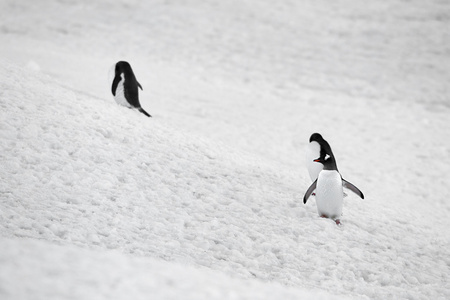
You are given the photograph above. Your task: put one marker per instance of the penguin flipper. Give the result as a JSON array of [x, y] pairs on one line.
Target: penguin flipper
[[139, 85], [115, 84], [144, 112], [308, 193], [352, 188]]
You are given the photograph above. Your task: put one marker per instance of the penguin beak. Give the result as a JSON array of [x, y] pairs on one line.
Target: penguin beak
[[317, 160]]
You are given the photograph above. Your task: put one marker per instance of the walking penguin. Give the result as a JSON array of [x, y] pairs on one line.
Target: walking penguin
[[328, 185], [125, 87]]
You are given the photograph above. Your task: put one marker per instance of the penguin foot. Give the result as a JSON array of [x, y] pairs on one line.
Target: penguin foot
[[313, 194], [338, 222]]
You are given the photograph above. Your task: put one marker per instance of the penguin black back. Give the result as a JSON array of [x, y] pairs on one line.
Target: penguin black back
[[125, 86]]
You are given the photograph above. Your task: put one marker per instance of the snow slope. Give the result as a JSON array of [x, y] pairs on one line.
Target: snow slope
[[53, 272], [208, 192]]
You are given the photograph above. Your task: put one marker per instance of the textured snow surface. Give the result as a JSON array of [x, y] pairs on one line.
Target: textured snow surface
[[204, 200], [54, 272]]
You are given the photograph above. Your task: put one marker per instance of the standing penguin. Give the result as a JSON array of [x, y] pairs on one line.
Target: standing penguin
[[125, 87], [328, 186], [317, 147]]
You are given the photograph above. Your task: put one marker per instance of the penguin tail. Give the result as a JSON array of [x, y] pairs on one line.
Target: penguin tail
[[144, 112]]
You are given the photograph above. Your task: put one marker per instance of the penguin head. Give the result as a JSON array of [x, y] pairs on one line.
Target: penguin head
[[328, 162], [324, 146], [316, 137], [123, 67], [326, 156]]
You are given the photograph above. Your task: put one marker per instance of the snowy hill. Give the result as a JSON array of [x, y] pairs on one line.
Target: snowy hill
[[203, 201]]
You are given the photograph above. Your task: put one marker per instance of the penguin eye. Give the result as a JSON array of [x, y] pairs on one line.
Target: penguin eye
[[327, 157]]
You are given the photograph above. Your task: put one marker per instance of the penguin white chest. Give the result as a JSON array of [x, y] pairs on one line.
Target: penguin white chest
[[312, 153], [120, 93], [329, 194]]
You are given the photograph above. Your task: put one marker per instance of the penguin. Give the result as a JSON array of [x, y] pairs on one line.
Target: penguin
[[125, 87], [329, 187], [317, 147]]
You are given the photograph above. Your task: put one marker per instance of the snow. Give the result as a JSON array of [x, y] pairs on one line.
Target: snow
[[204, 200], [47, 270]]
